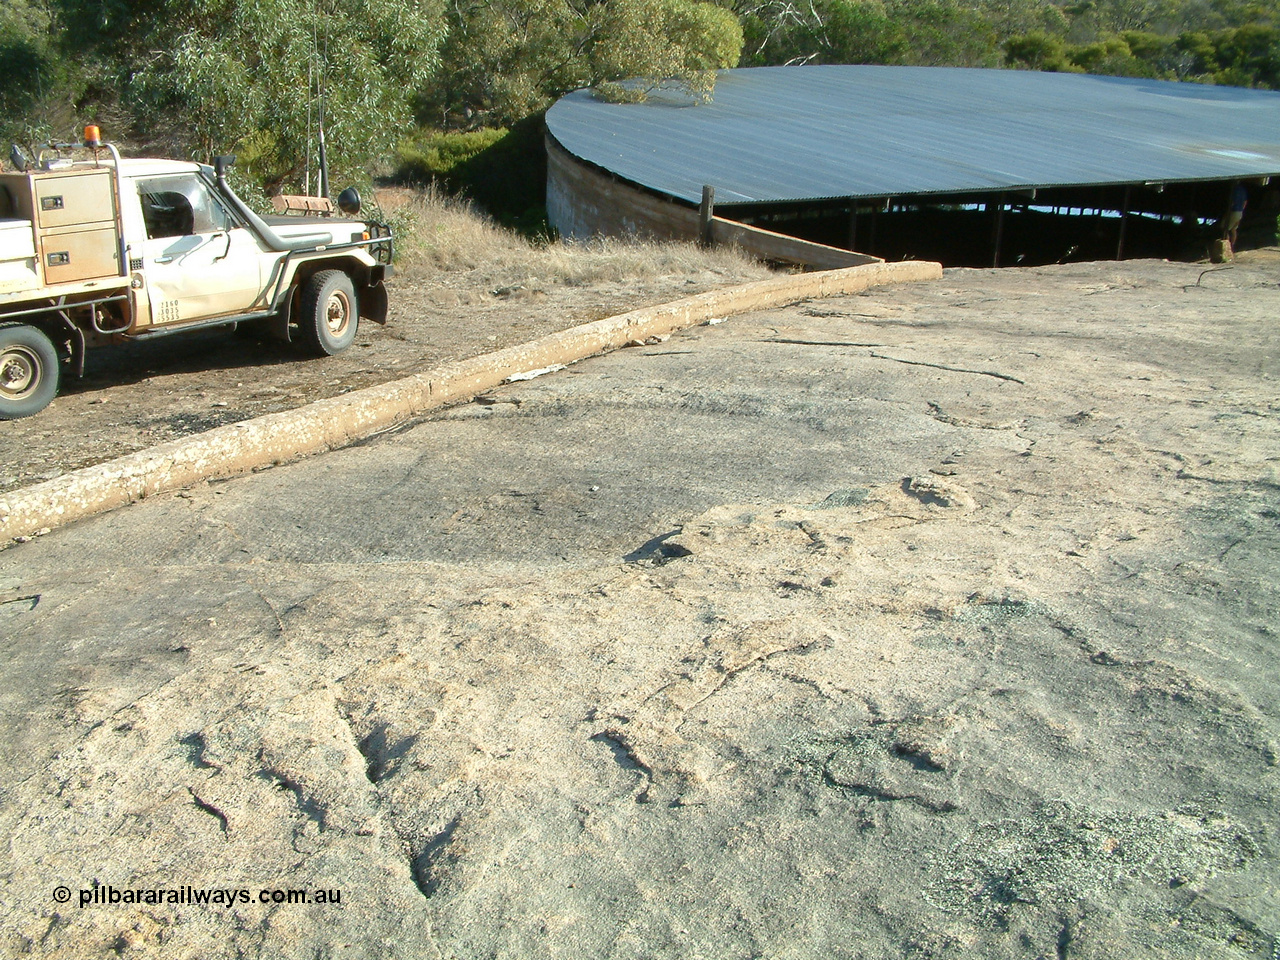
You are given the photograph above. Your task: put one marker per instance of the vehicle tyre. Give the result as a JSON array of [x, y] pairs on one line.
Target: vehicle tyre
[[29, 371], [329, 315]]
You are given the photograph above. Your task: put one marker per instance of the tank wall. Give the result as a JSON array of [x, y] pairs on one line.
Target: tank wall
[[584, 203]]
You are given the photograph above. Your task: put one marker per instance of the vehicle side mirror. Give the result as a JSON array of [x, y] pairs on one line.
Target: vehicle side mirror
[[349, 201]]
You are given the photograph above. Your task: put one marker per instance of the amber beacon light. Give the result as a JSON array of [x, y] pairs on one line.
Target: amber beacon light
[[92, 136]]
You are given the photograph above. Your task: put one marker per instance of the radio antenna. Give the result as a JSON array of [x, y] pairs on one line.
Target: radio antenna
[[311, 95], [324, 159]]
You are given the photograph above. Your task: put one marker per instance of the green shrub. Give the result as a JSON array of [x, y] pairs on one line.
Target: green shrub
[[502, 170], [432, 155]]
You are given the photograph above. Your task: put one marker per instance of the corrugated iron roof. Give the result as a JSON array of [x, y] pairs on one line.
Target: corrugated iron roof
[[799, 133]]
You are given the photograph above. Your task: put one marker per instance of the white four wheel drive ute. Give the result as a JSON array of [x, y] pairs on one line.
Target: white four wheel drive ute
[[96, 250]]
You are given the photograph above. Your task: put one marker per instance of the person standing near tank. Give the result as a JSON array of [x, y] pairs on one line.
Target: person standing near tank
[[1235, 213]]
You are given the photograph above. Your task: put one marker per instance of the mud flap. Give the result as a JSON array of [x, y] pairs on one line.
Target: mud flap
[[278, 324], [373, 303]]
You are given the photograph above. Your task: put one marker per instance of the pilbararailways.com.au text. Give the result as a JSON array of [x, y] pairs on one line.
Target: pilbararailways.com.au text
[[106, 895]]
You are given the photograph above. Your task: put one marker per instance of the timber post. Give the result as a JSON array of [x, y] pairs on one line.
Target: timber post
[[706, 212]]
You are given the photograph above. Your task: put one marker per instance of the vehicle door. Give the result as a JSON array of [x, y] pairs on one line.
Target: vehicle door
[[198, 260]]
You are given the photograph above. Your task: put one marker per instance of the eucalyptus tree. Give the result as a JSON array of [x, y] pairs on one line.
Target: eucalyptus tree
[[508, 59], [254, 77], [33, 77], [916, 32]]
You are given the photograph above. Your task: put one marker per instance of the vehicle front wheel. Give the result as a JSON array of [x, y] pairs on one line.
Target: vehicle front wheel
[[28, 371], [329, 315]]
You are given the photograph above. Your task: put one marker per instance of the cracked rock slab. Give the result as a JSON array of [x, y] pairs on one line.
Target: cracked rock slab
[[756, 646]]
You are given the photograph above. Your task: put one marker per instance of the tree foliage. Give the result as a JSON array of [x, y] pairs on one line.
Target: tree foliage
[[201, 77], [509, 59], [1163, 40], [913, 32], [33, 80], [660, 40], [251, 76]]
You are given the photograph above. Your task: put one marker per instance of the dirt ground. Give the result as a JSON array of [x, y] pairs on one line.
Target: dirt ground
[[934, 622]]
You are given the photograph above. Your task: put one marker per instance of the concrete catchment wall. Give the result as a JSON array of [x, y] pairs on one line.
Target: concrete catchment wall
[[238, 448]]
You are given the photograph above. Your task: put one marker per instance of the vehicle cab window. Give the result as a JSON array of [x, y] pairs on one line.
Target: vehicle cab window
[[181, 206]]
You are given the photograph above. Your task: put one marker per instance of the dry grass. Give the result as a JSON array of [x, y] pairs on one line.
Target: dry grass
[[439, 236]]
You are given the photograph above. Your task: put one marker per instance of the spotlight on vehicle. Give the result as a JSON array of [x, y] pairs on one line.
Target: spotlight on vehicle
[[349, 201]]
